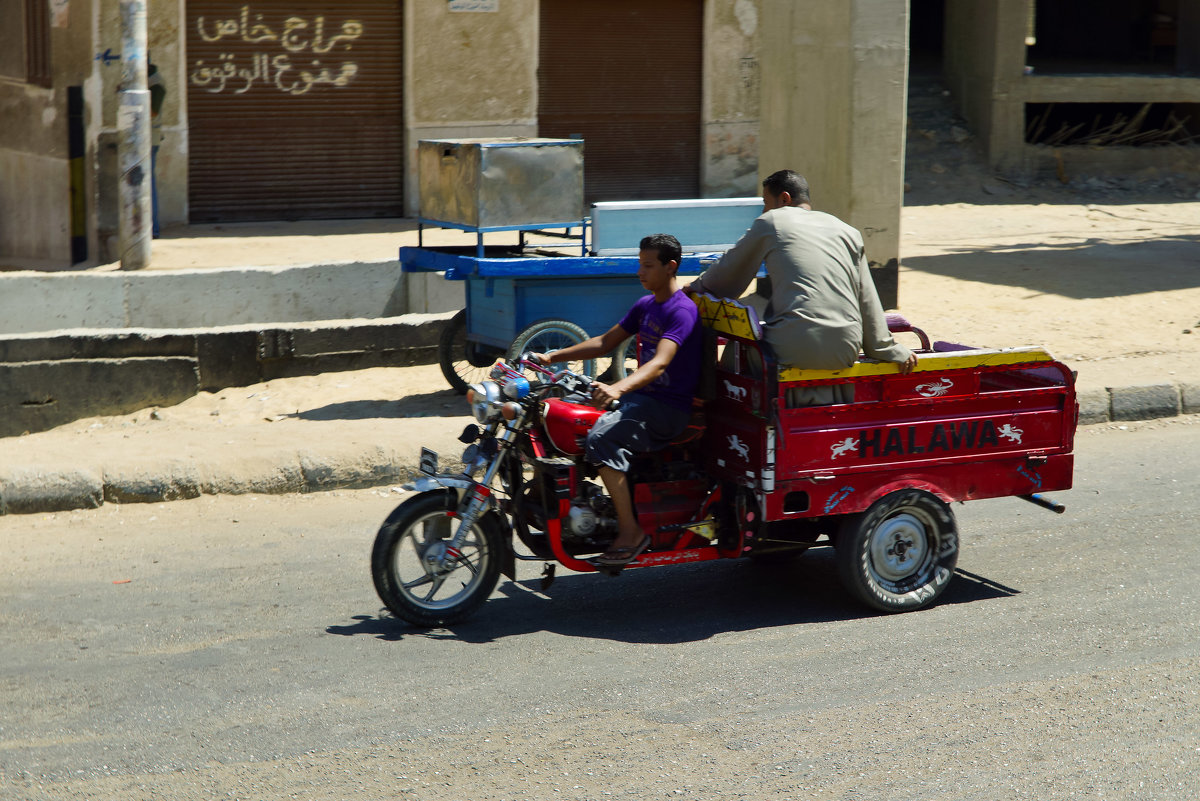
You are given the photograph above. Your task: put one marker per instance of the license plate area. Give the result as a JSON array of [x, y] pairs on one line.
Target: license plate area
[[429, 462]]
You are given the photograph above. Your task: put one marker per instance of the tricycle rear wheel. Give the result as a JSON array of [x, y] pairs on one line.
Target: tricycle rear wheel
[[900, 553]]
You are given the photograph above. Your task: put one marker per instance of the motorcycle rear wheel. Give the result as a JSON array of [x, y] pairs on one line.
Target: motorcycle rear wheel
[[405, 563]]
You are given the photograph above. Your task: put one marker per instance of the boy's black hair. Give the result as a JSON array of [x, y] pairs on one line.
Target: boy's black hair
[[788, 181], [667, 246]]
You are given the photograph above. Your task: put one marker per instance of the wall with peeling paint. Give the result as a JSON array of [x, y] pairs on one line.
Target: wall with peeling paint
[[165, 36], [475, 75], [35, 190], [731, 98], [467, 75]]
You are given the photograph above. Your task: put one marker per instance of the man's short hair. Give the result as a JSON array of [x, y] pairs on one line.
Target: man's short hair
[[667, 246], [788, 181]]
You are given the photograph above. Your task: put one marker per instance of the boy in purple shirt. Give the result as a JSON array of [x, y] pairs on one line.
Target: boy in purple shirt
[[656, 399]]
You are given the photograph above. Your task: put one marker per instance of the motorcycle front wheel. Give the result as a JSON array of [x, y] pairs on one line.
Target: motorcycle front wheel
[[407, 563]]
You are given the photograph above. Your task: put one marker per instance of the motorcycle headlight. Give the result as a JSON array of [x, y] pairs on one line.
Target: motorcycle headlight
[[516, 388], [484, 398]]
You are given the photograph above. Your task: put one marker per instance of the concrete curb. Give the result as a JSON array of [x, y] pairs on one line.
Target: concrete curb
[[38, 489], [1139, 402], [29, 490]]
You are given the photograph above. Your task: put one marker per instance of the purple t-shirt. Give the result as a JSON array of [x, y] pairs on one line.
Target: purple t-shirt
[[678, 320]]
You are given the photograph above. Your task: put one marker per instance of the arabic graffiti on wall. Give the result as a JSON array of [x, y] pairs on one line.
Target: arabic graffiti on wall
[[291, 71]]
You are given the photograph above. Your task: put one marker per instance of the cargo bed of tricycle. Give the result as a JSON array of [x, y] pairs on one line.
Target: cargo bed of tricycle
[[967, 423]]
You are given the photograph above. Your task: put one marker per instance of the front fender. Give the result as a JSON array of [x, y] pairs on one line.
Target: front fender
[[459, 484], [493, 516], [440, 481]]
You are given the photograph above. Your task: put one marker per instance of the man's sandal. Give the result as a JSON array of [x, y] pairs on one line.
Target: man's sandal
[[622, 556]]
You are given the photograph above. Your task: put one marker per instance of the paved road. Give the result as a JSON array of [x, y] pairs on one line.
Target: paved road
[[230, 647]]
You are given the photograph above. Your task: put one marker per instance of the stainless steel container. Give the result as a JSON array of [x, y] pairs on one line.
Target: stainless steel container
[[501, 183]]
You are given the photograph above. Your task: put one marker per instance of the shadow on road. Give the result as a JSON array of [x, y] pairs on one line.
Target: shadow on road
[[685, 604]]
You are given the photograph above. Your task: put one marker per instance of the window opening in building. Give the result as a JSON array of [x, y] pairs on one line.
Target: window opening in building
[[926, 23], [1114, 37]]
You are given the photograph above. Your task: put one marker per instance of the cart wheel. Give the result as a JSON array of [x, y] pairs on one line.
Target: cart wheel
[[548, 335], [899, 554], [624, 361], [462, 362]]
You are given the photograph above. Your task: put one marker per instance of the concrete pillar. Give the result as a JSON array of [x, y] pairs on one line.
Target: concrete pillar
[[985, 71], [133, 123], [834, 104]]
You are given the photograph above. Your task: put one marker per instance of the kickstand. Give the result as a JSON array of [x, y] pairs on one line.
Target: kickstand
[[547, 576]]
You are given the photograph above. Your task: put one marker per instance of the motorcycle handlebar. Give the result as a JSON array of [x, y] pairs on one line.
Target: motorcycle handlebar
[[570, 380], [526, 361]]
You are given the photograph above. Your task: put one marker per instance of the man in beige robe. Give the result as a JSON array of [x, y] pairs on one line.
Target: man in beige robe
[[823, 308]]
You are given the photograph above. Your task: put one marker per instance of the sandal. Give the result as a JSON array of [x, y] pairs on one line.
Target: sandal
[[618, 557]]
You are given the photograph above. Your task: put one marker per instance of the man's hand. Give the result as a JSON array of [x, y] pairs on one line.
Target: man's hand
[[604, 394], [688, 289], [909, 364], [541, 358]]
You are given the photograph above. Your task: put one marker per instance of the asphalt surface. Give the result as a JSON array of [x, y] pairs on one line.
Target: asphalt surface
[[233, 647]]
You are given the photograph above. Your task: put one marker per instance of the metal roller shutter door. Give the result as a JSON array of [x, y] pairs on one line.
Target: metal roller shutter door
[[294, 109], [626, 74]]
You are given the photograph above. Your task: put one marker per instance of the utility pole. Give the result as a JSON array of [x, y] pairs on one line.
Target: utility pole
[[133, 122]]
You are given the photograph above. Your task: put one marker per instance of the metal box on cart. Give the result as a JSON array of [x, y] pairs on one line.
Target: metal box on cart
[[494, 184]]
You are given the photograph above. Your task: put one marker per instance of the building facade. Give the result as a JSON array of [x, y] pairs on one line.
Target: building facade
[[1078, 86], [295, 109], [303, 109]]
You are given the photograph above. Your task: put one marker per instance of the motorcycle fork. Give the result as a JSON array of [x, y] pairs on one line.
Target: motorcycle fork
[[477, 498]]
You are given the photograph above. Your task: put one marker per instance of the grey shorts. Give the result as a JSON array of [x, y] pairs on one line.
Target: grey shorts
[[639, 425]]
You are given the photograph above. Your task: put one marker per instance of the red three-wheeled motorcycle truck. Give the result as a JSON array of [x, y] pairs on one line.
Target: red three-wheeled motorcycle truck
[[777, 459]]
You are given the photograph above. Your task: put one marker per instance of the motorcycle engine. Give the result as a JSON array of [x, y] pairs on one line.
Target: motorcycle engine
[[592, 518]]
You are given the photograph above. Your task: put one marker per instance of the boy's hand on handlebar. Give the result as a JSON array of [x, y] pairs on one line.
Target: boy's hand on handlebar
[[538, 358], [604, 394]]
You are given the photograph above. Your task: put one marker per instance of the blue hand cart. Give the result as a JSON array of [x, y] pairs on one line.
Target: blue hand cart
[[515, 303]]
